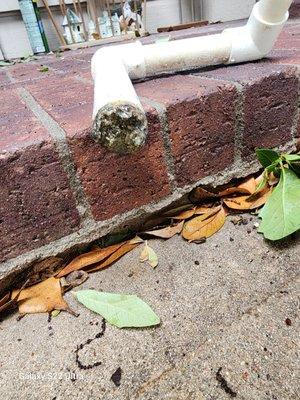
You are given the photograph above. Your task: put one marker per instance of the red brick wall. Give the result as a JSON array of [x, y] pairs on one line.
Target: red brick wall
[[60, 188], [295, 9]]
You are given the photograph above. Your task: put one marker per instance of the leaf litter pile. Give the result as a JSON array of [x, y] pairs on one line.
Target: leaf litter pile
[[276, 192]]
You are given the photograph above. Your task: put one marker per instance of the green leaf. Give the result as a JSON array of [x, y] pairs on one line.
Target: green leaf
[[292, 157], [5, 63], [275, 168], [121, 310], [44, 69], [55, 313], [261, 184], [281, 214], [267, 157], [295, 166]]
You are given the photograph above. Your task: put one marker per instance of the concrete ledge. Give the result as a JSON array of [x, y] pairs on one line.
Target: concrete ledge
[[60, 189]]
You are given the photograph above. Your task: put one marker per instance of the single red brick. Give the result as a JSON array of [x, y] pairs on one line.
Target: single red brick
[[270, 102], [201, 117], [289, 38], [116, 183], [294, 10], [68, 65], [67, 100], [36, 203], [287, 42], [292, 28], [3, 79], [27, 72], [19, 127], [85, 74], [286, 57]]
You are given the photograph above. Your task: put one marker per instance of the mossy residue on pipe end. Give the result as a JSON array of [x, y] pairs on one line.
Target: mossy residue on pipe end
[[120, 127]]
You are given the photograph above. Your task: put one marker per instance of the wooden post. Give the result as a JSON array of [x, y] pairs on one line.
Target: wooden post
[[144, 15], [83, 22], [61, 38], [122, 5], [136, 15], [75, 6], [109, 14], [93, 14], [69, 25]]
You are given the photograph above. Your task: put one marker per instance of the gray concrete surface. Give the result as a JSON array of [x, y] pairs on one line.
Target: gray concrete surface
[[230, 303]]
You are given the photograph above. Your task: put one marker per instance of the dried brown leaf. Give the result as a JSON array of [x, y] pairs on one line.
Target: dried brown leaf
[[136, 240], [120, 252], [45, 296], [177, 210], [4, 299], [74, 279], [200, 194], [6, 303], [205, 210], [248, 202], [204, 226], [149, 255], [247, 187], [168, 232], [45, 269], [185, 214], [190, 213], [90, 258], [272, 180], [12, 302]]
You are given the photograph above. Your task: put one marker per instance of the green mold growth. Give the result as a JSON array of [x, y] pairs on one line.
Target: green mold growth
[[120, 127]]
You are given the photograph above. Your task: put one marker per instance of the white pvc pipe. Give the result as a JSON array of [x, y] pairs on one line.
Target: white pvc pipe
[[119, 120], [273, 11]]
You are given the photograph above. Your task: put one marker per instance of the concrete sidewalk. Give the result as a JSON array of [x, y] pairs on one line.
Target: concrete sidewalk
[[229, 329]]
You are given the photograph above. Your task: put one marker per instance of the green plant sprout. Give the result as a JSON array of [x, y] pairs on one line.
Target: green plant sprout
[[281, 213]]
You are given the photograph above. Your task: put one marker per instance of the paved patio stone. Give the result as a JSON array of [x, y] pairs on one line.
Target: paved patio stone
[[223, 304]]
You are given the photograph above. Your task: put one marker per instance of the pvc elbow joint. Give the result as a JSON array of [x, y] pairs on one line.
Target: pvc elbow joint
[[254, 40]]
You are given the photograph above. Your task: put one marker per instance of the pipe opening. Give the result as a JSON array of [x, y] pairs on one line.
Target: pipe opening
[[120, 127]]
